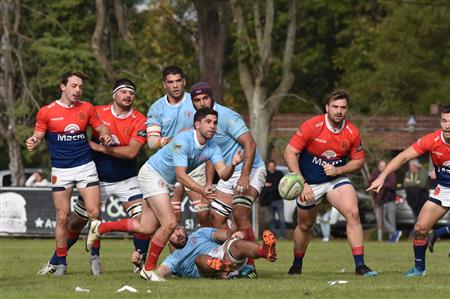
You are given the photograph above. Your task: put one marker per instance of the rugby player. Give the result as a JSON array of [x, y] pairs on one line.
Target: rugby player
[[324, 149], [238, 194], [63, 123], [438, 145], [157, 177], [116, 167], [167, 117], [211, 252]]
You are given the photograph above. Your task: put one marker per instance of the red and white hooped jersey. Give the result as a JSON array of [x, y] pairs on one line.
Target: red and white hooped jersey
[[435, 144], [65, 127], [319, 143], [123, 128]]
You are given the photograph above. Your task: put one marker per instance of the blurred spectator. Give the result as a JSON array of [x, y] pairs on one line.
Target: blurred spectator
[[37, 179], [385, 206], [415, 184], [271, 199]]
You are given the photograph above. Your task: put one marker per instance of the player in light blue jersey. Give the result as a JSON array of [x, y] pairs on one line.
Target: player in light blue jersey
[[211, 252], [157, 178], [168, 116], [238, 193]]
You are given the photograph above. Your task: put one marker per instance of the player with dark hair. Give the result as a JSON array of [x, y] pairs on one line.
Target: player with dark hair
[[64, 124], [237, 195], [324, 149], [157, 178], [116, 166], [438, 145], [168, 116]]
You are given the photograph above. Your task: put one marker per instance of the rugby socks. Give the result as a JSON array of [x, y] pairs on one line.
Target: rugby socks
[[249, 235], [95, 249], [156, 247], [298, 258], [420, 247], [141, 242], [445, 230], [123, 225], [358, 255], [72, 238], [61, 253]]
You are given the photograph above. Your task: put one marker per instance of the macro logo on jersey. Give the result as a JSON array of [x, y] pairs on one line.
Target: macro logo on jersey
[[70, 133], [329, 154], [71, 128]]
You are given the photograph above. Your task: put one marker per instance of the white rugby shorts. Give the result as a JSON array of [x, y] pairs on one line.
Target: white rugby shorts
[[441, 196], [152, 183], [80, 176], [257, 179], [320, 190], [198, 175], [125, 191]]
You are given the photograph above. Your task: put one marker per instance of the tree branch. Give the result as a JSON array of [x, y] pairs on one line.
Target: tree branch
[[288, 76], [258, 30], [96, 40], [267, 42]]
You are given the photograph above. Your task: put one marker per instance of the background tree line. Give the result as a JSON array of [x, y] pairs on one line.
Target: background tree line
[[261, 57]]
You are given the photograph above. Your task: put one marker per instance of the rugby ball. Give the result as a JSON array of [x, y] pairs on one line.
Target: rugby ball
[[291, 186]]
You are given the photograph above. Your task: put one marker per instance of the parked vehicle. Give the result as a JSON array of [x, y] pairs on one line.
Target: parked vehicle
[[5, 175]]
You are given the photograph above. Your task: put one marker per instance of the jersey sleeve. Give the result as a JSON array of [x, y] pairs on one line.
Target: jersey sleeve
[[302, 137], [215, 154], [139, 132], [171, 262], [207, 232], [236, 126], [180, 150], [423, 144], [41, 120], [153, 122], [357, 150], [94, 120]]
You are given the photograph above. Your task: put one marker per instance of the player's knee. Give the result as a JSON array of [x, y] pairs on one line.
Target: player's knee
[[305, 226], [93, 212], [170, 225], [420, 231], [352, 216], [62, 217]]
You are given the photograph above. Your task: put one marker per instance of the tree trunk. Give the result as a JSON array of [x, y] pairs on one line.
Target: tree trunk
[[10, 12], [213, 19]]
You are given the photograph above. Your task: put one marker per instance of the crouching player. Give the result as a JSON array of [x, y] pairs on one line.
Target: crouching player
[[211, 252], [157, 178], [438, 145], [116, 167]]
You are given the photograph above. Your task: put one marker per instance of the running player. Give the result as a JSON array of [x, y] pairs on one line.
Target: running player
[[167, 117], [211, 252], [116, 166], [238, 194], [63, 123], [157, 177], [438, 145], [324, 149]]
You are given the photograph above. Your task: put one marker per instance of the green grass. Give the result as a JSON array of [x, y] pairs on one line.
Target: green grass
[[21, 258]]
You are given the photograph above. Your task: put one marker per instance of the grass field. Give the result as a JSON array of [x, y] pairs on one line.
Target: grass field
[[21, 258]]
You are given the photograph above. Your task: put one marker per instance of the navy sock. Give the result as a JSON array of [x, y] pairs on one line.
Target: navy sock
[[298, 258], [358, 255], [420, 247], [445, 230], [141, 242], [72, 239]]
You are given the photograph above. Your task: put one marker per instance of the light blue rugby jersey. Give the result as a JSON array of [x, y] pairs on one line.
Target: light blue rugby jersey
[[185, 151], [230, 126], [171, 118], [182, 261]]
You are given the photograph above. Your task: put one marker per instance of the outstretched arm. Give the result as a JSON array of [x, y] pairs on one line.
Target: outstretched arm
[[129, 151]]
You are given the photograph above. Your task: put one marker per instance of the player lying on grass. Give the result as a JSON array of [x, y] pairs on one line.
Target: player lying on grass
[[211, 252], [438, 145]]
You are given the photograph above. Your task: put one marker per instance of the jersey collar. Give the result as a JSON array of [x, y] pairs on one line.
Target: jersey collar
[[443, 139], [330, 127], [177, 104], [197, 143], [120, 116], [61, 103]]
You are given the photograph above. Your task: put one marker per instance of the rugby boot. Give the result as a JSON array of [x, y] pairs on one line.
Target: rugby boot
[[269, 242], [414, 272], [60, 270], [432, 238], [363, 270], [295, 270], [96, 265], [248, 271], [151, 275], [93, 233], [47, 268]]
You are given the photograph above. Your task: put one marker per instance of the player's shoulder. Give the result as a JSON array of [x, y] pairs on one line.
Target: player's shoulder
[[85, 105], [315, 121], [351, 128], [159, 102], [102, 108], [432, 137], [138, 116]]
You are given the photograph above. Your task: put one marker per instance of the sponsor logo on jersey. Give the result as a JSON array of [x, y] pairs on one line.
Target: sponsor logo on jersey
[[321, 162], [329, 154], [71, 128], [320, 140], [57, 118], [188, 113], [81, 115]]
